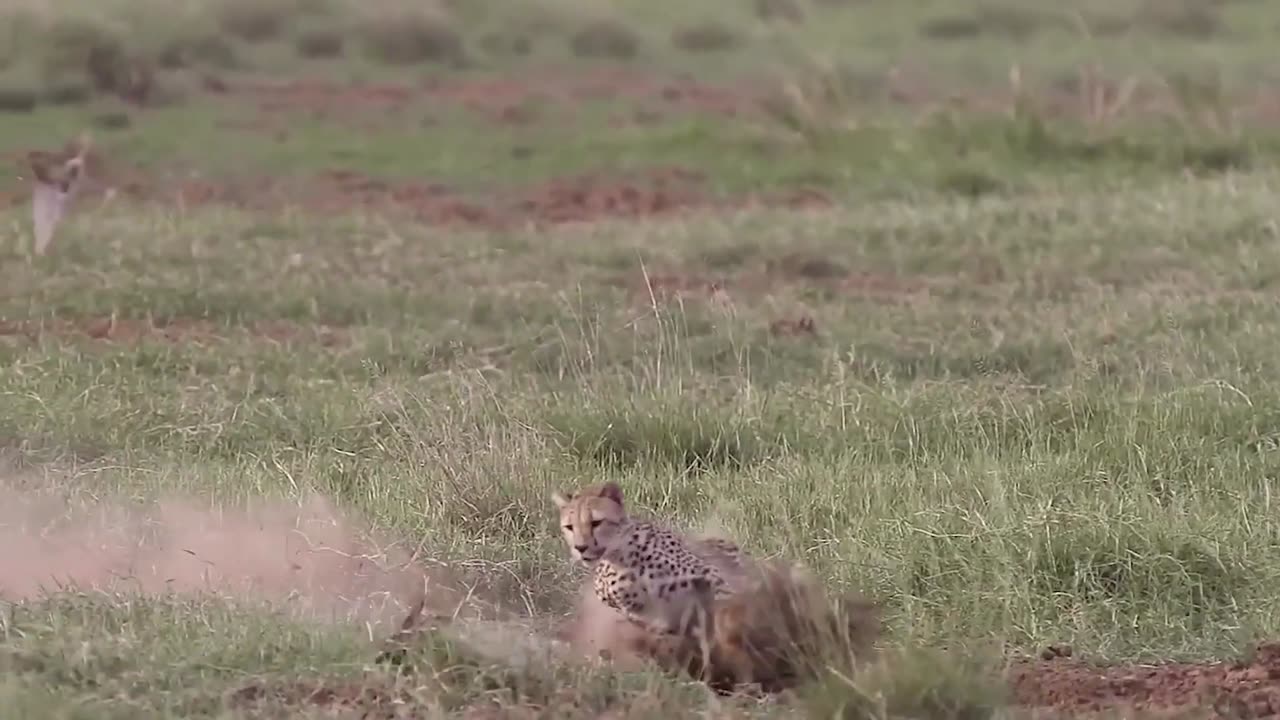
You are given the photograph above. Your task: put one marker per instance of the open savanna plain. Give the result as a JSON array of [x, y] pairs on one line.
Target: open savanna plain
[[969, 307]]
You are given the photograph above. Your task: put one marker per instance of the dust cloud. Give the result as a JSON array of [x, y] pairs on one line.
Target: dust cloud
[[305, 557]]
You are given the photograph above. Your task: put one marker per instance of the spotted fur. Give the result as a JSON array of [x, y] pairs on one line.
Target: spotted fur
[[652, 575]]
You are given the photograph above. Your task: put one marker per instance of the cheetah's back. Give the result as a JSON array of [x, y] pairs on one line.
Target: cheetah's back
[[655, 576]]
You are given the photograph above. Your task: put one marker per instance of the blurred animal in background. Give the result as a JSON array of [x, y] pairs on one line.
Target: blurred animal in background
[[57, 177]]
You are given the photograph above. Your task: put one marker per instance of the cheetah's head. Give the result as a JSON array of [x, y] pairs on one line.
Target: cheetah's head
[[590, 518]]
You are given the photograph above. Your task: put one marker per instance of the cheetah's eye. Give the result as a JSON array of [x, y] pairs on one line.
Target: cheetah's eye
[[595, 523], [569, 528]]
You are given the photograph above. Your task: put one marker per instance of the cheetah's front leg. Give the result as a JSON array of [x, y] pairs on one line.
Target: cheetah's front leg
[[625, 593], [639, 614]]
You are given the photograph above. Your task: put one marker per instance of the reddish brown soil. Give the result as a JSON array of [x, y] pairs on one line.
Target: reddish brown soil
[[586, 197], [184, 331], [1229, 690], [503, 100]]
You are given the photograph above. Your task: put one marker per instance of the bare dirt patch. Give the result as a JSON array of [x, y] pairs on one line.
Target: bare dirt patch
[[591, 196], [658, 191], [176, 330], [1246, 689], [504, 100]]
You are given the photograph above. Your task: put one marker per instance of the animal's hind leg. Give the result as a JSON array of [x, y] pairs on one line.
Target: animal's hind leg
[[695, 627]]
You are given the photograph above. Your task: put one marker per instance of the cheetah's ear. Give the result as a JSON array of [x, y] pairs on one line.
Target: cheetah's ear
[[561, 500], [611, 491]]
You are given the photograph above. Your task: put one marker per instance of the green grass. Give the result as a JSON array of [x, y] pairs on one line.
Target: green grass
[[1072, 424], [953, 154], [971, 43], [1039, 405]]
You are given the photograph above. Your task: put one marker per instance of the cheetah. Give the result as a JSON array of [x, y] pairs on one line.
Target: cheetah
[[702, 605], [653, 576]]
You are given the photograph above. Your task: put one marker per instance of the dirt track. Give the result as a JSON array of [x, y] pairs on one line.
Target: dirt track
[[1232, 690]]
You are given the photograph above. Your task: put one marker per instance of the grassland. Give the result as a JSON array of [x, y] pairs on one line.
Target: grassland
[[1001, 354]]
